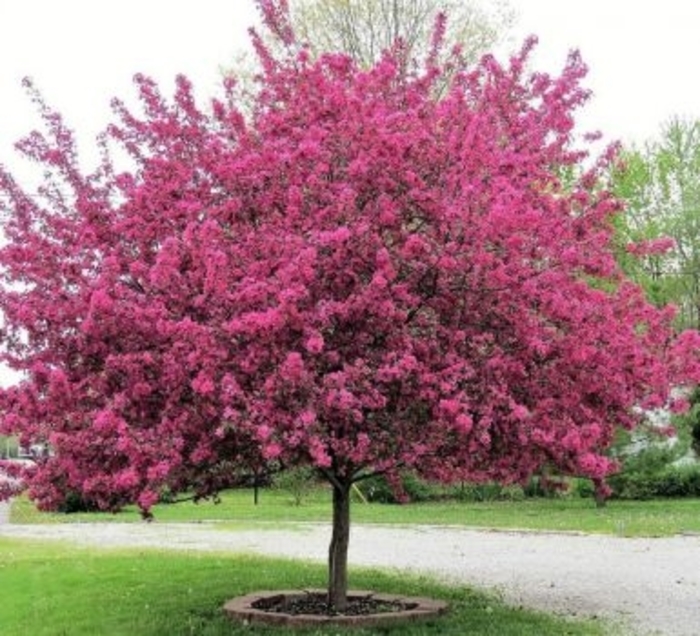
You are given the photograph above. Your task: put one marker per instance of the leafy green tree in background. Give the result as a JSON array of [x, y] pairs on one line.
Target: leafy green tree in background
[[659, 247], [661, 185]]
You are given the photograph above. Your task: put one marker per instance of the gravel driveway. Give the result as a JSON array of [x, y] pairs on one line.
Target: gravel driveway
[[652, 586]]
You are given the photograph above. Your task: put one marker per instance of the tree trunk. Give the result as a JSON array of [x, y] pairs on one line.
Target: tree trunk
[[600, 500], [599, 494], [256, 486], [338, 552]]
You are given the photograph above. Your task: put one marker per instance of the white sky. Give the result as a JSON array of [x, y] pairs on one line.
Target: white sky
[[643, 56]]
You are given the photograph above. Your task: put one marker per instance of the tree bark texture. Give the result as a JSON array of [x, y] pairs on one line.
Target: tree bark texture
[[338, 552]]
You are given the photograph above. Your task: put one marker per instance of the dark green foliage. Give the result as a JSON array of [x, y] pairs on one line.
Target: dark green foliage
[[691, 421], [640, 468], [695, 432], [670, 481], [652, 465], [75, 502], [413, 489], [583, 488], [377, 489], [487, 492], [653, 472]]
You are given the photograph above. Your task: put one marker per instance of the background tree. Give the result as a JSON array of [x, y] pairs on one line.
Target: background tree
[[661, 188], [365, 28], [363, 277]]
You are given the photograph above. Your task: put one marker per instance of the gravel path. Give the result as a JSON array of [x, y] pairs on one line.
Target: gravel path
[[650, 585]]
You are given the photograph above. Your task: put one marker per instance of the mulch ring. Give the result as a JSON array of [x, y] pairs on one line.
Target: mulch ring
[[302, 608]]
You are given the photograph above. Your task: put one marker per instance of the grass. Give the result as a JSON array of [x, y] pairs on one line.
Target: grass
[[53, 589], [623, 518]]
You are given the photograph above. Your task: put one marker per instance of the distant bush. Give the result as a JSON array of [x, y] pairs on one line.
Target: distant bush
[[691, 420], [647, 477], [414, 489], [377, 489], [8, 447], [696, 438], [477, 492], [642, 470], [670, 481], [582, 487], [487, 492], [74, 502], [298, 482], [679, 481], [649, 458]]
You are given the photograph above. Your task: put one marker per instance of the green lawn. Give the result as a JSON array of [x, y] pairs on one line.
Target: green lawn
[[50, 589], [60, 590], [623, 518]]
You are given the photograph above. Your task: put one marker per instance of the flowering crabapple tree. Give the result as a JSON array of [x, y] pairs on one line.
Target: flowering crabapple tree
[[361, 277]]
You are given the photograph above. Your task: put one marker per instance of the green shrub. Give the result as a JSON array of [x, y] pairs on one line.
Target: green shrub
[[74, 502], [298, 482], [688, 424], [8, 447], [695, 443], [642, 471], [583, 487], [377, 489], [678, 481], [670, 481], [487, 492], [480, 492]]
